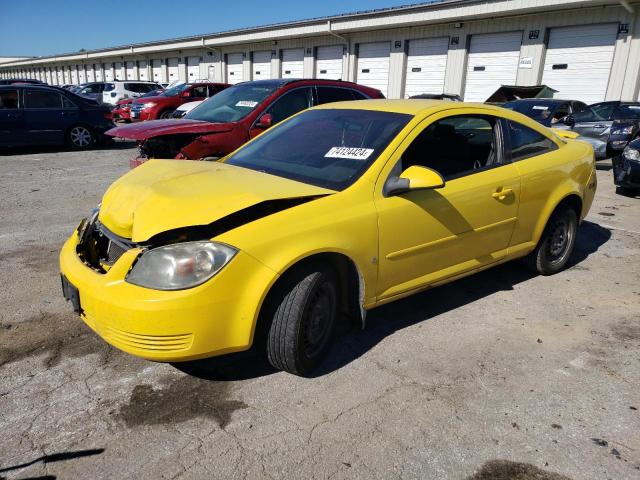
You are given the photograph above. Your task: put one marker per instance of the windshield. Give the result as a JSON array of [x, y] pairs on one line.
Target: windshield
[[325, 148], [232, 104], [175, 91], [629, 112], [537, 111]]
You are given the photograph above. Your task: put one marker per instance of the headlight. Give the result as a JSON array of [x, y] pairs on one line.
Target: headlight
[[180, 266], [631, 154], [622, 131], [149, 105]]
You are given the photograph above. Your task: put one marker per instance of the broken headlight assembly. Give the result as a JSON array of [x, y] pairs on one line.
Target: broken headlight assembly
[[622, 130], [180, 266]]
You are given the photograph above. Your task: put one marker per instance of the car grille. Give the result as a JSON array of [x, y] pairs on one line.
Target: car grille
[[100, 248], [155, 343]]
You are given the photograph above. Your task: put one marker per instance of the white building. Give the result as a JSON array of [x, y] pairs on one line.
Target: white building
[[588, 50]]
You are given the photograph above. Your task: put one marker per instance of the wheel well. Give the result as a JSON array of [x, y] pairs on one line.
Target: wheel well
[[573, 201], [350, 285]]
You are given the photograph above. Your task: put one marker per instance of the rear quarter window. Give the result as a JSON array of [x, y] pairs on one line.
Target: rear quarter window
[[526, 143]]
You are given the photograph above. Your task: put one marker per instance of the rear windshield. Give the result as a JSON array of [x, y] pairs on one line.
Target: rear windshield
[[325, 148], [232, 104]]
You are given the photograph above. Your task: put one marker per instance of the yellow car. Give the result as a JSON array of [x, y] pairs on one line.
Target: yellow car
[[338, 210]]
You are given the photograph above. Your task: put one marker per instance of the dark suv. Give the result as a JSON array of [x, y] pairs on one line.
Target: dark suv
[[222, 123]]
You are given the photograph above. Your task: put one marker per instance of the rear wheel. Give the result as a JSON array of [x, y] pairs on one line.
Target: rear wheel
[[80, 137], [166, 114], [303, 320], [556, 244]]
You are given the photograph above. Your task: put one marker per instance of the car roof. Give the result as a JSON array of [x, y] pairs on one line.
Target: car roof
[[541, 100], [410, 106]]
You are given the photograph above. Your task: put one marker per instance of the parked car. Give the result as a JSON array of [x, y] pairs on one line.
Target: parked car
[[13, 81], [626, 169], [92, 90], [117, 90], [547, 111], [329, 214], [122, 109], [609, 125], [164, 104], [224, 122], [43, 115], [185, 108], [451, 97]]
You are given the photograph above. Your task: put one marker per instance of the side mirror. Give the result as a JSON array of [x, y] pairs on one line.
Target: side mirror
[[414, 178], [569, 121], [265, 121]]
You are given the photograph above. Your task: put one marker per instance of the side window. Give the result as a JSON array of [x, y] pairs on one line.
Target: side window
[[578, 107], [8, 99], [42, 99], [526, 142], [331, 94], [66, 103], [211, 90], [561, 112], [290, 103], [198, 92], [359, 95], [628, 112], [456, 146]]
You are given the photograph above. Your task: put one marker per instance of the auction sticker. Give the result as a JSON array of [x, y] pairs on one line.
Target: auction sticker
[[349, 152], [540, 107], [246, 103]]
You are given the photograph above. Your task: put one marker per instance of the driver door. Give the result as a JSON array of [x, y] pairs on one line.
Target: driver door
[[426, 236]]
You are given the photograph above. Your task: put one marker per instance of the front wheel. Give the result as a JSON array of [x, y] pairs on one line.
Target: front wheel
[[166, 114], [556, 244], [80, 137], [303, 321]]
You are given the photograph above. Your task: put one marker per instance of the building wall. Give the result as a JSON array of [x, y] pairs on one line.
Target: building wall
[[458, 22]]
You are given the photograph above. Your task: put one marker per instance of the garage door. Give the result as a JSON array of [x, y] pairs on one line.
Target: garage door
[[98, 70], [74, 75], [234, 68], [108, 72], [130, 70], [142, 70], [174, 74], [426, 66], [193, 69], [329, 62], [493, 62], [578, 61], [91, 76], [293, 63], [156, 70], [261, 68], [373, 65]]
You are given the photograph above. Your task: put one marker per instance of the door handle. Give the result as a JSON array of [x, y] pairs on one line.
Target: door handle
[[502, 193]]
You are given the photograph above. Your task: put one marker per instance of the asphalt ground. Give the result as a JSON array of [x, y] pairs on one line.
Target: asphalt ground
[[502, 375]]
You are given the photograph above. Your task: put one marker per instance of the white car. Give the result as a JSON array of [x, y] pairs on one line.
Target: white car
[[119, 90], [185, 108]]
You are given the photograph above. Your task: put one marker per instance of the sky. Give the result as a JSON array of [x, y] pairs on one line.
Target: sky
[[49, 27]]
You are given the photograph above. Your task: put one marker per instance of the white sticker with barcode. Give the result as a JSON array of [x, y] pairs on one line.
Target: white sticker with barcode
[[352, 153], [246, 103]]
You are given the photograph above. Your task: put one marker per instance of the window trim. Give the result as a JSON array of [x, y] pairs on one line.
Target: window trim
[[509, 149], [24, 99]]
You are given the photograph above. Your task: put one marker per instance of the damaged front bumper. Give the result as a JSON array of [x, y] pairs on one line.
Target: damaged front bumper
[[626, 173], [214, 318]]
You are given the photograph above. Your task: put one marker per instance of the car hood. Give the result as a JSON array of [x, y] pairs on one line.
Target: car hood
[[155, 98], [163, 195], [157, 128]]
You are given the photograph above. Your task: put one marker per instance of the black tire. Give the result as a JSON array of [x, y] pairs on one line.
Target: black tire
[[303, 320], [80, 137], [556, 244], [166, 114]]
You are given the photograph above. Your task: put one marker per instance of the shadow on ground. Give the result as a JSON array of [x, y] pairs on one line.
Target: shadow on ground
[[34, 150], [388, 319]]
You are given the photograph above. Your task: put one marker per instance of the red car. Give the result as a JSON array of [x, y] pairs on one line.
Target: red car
[[163, 105], [122, 111], [221, 124]]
